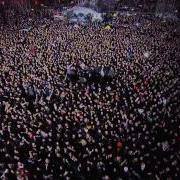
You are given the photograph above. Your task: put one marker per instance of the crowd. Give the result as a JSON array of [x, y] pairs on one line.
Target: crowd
[[62, 118]]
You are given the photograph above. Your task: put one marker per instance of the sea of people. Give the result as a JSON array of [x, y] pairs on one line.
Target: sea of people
[[88, 102]]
